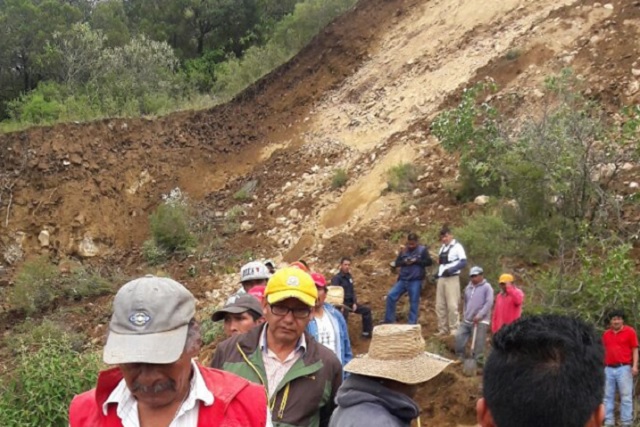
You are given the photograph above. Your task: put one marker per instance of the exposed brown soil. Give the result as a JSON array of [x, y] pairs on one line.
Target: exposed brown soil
[[361, 97]]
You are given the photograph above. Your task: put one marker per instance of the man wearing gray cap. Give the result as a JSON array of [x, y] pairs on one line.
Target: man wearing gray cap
[[241, 313], [153, 338]]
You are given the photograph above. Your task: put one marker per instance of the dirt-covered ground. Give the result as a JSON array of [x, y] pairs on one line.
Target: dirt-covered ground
[[360, 97]]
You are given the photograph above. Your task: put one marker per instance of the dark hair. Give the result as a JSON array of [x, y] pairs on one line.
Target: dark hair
[[254, 314], [345, 258], [616, 312], [444, 230], [412, 237], [544, 370], [303, 262]]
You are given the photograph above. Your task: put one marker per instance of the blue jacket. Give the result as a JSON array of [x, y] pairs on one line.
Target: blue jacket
[[342, 336], [415, 271]]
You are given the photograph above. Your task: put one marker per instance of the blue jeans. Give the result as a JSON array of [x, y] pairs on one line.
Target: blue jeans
[[412, 287], [620, 379]]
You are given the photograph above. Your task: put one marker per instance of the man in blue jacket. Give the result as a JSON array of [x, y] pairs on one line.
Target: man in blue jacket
[[412, 260], [328, 326]]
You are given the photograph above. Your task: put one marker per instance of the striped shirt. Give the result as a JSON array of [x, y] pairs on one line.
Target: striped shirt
[[275, 368]]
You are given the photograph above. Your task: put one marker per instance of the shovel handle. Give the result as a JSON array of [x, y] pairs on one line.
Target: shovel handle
[[473, 339]]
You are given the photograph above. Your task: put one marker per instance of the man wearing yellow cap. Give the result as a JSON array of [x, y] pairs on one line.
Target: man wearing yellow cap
[[300, 376], [508, 306]]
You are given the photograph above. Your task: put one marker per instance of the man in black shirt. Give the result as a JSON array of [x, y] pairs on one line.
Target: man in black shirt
[[344, 279]]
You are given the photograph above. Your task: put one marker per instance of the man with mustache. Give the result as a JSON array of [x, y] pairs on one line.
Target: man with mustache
[[153, 339]]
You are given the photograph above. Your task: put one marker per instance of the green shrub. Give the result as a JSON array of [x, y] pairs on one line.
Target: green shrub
[[403, 177], [487, 240], [30, 335], [339, 179], [37, 392], [211, 331], [232, 220], [37, 285], [86, 282], [153, 253], [588, 282], [170, 230]]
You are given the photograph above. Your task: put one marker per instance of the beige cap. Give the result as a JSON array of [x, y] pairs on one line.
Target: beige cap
[[150, 321]]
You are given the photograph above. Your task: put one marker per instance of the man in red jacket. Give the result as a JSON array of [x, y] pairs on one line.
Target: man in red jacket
[[508, 306], [153, 338]]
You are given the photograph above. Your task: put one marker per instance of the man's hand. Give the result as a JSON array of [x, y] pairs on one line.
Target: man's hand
[[476, 319], [634, 371], [354, 307], [446, 273]]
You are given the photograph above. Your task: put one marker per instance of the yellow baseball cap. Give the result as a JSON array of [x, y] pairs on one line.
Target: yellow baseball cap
[[506, 278], [291, 282]]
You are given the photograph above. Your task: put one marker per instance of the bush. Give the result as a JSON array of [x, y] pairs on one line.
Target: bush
[[487, 240], [39, 283], [30, 335], [211, 331], [169, 225], [403, 177], [152, 253], [339, 179], [38, 390], [589, 282]]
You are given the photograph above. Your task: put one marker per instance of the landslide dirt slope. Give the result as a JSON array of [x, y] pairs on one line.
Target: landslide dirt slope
[[360, 97]]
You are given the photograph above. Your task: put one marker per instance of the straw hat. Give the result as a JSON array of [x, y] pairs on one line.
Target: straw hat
[[397, 353]]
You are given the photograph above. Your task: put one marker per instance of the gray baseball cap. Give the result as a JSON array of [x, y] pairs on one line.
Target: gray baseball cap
[[150, 321], [238, 304], [476, 271]]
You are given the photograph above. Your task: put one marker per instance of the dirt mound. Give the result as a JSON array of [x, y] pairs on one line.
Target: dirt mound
[[360, 98]]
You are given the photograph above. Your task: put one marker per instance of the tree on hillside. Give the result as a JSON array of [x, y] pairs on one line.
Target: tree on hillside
[[110, 18]]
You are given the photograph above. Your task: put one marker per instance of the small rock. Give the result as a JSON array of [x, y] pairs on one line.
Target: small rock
[[481, 200], [635, 72], [43, 238], [294, 214], [634, 185], [538, 93], [286, 186], [272, 207], [281, 220], [627, 166], [246, 226], [417, 192], [608, 6], [413, 208], [86, 248], [633, 87]]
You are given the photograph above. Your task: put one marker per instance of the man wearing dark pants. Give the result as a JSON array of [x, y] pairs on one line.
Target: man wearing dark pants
[[412, 260], [621, 365], [345, 280], [478, 300]]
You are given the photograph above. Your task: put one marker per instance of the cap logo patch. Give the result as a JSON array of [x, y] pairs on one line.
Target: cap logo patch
[[293, 281], [139, 318]]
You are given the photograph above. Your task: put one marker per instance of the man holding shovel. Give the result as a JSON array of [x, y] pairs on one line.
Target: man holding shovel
[[478, 300]]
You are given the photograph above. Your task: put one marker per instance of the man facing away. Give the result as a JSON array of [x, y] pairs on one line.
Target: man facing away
[[380, 390], [478, 300], [301, 376], [153, 338], [240, 314], [345, 280], [543, 371], [327, 326], [451, 259], [412, 259], [508, 306], [621, 365]]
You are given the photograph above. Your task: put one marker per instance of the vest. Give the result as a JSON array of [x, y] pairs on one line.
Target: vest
[[237, 402]]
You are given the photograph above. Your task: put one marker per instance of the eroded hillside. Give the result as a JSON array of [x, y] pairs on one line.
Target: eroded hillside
[[360, 97]]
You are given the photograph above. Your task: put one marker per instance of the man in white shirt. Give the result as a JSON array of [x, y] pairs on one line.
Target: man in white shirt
[[452, 259], [153, 339]]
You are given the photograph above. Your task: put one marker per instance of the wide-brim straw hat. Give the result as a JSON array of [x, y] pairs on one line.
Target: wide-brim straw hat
[[397, 352]]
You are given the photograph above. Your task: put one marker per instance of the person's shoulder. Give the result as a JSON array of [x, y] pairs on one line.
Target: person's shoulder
[[323, 353], [630, 328]]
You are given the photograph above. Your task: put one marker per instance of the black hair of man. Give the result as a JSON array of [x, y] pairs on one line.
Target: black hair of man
[[444, 231], [303, 262], [255, 316], [617, 312], [544, 370], [345, 258], [412, 237]]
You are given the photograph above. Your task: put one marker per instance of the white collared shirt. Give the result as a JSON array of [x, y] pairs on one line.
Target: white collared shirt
[[187, 415], [275, 368]]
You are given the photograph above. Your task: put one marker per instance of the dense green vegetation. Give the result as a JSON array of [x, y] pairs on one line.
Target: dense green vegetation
[[63, 60], [555, 207]]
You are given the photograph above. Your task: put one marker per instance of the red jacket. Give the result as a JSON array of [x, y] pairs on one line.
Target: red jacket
[[508, 308], [237, 402]]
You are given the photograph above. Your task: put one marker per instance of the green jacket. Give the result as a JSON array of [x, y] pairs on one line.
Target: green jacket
[[305, 396]]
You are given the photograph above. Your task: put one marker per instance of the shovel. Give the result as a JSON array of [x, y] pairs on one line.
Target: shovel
[[469, 366]]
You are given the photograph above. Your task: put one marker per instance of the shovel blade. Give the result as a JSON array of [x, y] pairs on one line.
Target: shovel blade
[[470, 367]]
